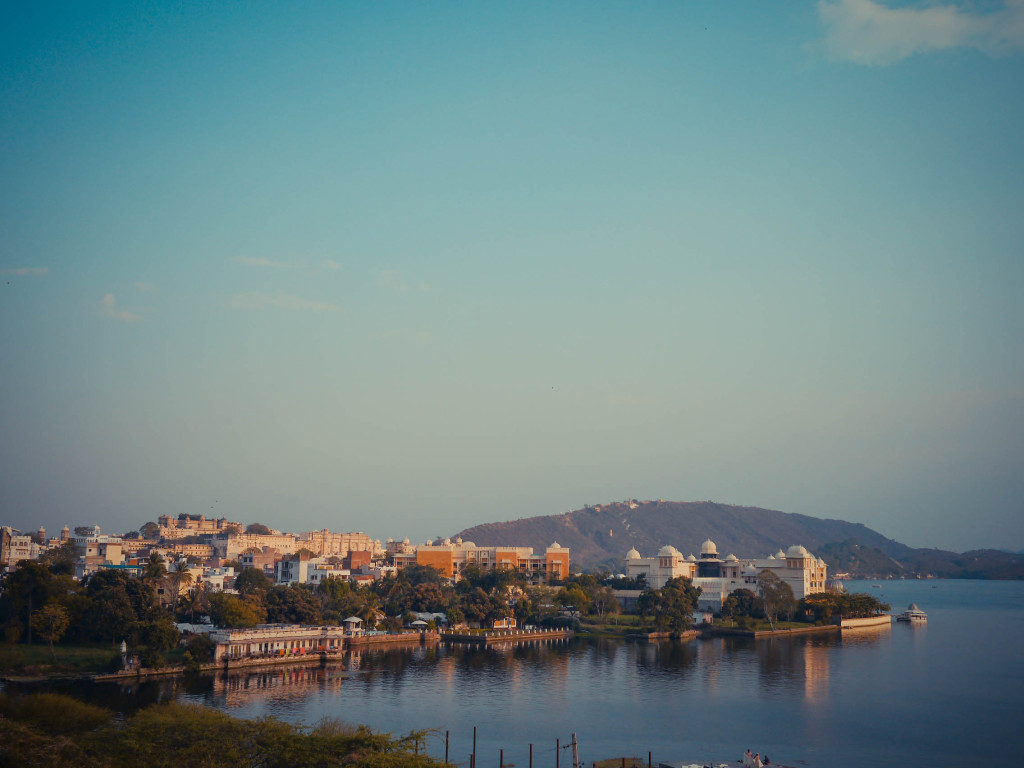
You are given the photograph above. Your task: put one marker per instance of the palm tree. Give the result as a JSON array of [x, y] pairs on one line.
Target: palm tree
[[179, 576], [155, 568]]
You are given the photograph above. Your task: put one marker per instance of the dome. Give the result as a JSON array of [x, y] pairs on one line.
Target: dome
[[750, 571], [690, 558], [633, 554], [732, 559], [835, 586], [708, 548], [771, 557], [669, 551], [780, 555], [796, 551], [555, 545], [458, 540]]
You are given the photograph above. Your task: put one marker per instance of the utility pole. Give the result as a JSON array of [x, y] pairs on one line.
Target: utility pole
[[575, 752]]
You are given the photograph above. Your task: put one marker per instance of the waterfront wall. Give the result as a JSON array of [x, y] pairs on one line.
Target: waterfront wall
[[871, 621]]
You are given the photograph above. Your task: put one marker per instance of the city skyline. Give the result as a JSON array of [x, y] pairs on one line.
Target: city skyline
[[409, 269]]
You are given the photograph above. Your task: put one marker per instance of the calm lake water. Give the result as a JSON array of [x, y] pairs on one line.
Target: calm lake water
[[949, 693]]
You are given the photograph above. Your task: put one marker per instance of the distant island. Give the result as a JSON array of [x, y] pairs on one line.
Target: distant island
[[600, 535]]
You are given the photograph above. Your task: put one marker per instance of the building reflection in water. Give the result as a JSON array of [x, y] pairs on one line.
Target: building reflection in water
[[232, 689]]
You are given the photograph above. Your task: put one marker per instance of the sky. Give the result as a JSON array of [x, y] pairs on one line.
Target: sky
[[405, 268]]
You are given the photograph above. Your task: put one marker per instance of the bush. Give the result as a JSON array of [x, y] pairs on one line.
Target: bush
[[53, 713]]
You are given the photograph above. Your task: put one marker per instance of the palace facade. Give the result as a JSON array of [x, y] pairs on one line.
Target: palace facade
[[718, 577]]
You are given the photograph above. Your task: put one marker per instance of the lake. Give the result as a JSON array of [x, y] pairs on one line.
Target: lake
[[948, 693]]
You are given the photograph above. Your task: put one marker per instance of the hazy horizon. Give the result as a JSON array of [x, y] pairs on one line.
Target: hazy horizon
[[410, 268]]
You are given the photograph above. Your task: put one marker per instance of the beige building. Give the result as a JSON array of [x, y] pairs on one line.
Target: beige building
[[231, 545], [718, 577], [326, 543]]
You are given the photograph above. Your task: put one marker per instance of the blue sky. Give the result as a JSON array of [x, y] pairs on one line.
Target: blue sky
[[405, 268]]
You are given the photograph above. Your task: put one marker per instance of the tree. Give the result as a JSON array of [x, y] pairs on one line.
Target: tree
[[51, 622], [155, 567], [252, 581], [232, 611], [61, 559], [741, 602], [177, 577], [27, 589], [776, 597], [149, 530], [604, 601], [83, 530], [295, 604], [678, 602], [259, 528], [232, 528]]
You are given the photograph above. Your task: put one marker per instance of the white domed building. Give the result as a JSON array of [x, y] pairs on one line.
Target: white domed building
[[717, 578]]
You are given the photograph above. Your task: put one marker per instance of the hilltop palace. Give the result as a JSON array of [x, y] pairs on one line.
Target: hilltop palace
[[797, 567]]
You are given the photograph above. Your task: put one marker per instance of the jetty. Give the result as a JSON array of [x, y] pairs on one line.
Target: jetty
[[492, 636]]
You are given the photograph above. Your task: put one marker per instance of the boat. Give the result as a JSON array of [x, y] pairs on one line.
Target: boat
[[913, 615]]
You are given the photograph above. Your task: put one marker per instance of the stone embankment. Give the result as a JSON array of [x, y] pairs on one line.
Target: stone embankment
[[491, 636]]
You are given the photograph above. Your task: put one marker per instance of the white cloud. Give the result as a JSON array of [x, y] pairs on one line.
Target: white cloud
[[144, 286], [27, 272], [392, 280], [330, 264], [108, 308], [869, 32], [257, 300]]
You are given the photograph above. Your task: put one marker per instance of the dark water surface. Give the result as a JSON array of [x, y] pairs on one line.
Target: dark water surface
[[949, 693]]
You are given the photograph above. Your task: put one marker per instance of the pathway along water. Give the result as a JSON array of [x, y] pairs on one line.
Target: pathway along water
[[947, 693]]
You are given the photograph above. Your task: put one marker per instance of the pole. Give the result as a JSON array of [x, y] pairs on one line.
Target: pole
[[501, 758], [446, 747], [531, 756], [575, 752], [648, 760], [473, 765], [558, 752]]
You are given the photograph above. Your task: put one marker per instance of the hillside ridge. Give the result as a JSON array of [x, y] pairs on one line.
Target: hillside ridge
[[599, 536]]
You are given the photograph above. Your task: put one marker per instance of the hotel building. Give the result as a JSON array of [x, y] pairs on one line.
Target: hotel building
[[717, 577]]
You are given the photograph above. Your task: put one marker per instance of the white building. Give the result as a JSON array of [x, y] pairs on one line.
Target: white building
[[717, 578]]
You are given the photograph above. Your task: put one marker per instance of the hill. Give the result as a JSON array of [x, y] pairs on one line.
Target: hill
[[599, 537]]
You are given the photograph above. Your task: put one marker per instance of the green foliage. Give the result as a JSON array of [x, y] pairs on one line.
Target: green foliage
[[51, 622], [258, 528], [149, 530], [61, 560], [827, 606], [742, 603], [776, 597], [234, 611], [53, 713], [293, 604], [252, 581]]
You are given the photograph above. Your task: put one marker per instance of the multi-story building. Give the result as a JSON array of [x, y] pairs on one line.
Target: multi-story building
[[233, 544], [717, 577], [191, 525], [326, 543], [453, 557], [264, 559], [16, 546]]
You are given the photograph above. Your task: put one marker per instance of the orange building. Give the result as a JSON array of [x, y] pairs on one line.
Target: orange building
[[452, 557]]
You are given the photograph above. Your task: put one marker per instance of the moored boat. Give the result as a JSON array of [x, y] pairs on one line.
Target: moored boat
[[913, 615]]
